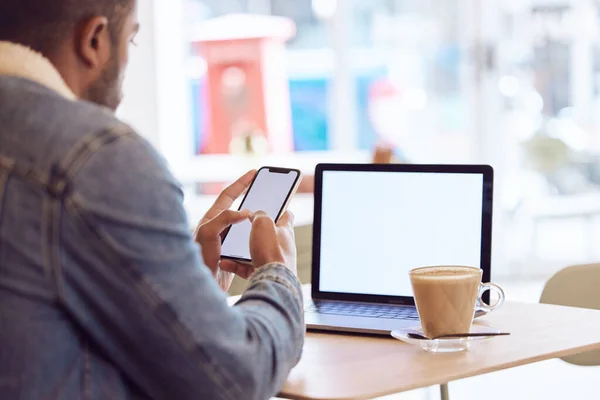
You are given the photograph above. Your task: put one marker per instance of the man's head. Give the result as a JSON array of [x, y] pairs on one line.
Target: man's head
[[86, 40]]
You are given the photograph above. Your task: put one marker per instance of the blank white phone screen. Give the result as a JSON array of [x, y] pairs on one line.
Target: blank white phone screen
[[377, 226], [268, 193]]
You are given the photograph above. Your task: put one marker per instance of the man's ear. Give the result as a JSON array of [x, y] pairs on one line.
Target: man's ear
[[93, 42]]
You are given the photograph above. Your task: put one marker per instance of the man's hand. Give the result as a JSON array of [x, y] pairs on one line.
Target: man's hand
[[211, 228], [270, 243]]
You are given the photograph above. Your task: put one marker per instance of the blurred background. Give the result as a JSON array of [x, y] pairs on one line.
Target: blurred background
[[221, 86]]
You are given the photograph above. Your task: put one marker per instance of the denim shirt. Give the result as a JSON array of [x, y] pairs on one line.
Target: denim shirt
[[103, 292]]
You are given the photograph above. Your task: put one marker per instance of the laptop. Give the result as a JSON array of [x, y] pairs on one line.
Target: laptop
[[374, 223]]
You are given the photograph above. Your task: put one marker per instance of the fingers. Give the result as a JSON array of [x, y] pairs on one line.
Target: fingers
[[226, 218], [285, 225], [235, 190], [286, 220], [264, 243], [261, 222], [229, 195], [258, 215], [242, 270]]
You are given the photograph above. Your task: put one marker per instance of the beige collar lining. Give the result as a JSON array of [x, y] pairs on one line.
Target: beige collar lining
[[22, 62]]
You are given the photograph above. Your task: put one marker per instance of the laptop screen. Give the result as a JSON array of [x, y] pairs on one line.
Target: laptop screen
[[377, 226]]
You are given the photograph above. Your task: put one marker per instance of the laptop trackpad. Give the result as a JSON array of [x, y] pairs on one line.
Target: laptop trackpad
[[350, 323]]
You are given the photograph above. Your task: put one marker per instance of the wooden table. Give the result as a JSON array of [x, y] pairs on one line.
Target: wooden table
[[335, 366]]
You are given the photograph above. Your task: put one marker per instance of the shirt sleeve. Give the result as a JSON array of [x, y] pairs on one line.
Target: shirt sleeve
[[133, 280]]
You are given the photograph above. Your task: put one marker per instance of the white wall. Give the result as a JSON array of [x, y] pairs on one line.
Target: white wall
[[174, 105], [139, 107], [156, 99]]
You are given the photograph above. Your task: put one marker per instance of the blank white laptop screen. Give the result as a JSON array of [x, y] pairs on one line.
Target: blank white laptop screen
[[377, 226]]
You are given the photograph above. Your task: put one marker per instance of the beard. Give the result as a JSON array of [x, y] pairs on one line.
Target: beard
[[107, 91]]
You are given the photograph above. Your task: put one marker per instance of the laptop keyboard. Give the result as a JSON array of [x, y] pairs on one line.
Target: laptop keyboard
[[363, 310]]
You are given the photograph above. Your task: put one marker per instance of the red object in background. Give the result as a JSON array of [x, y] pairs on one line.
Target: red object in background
[[383, 88], [247, 89]]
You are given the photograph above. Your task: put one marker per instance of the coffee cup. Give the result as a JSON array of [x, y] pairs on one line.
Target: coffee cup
[[447, 298]]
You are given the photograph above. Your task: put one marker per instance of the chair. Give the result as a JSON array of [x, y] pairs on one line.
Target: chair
[[576, 286]]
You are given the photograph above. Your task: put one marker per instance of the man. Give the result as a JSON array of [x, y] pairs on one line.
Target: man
[[103, 291]]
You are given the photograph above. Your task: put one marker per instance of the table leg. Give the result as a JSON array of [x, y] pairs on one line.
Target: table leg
[[444, 392]]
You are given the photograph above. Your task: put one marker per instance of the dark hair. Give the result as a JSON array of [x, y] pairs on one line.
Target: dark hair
[[43, 25]]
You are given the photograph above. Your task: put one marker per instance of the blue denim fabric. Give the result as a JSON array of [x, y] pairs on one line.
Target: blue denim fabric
[[103, 292]]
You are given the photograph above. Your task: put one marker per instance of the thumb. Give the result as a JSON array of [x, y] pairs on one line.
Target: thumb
[[226, 218], [258, 215], [262, 222]]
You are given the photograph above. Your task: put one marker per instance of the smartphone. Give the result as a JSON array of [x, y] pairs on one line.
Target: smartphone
[[271, 192]]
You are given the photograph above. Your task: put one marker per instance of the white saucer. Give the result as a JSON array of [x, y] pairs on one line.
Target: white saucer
[[443, 345]]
